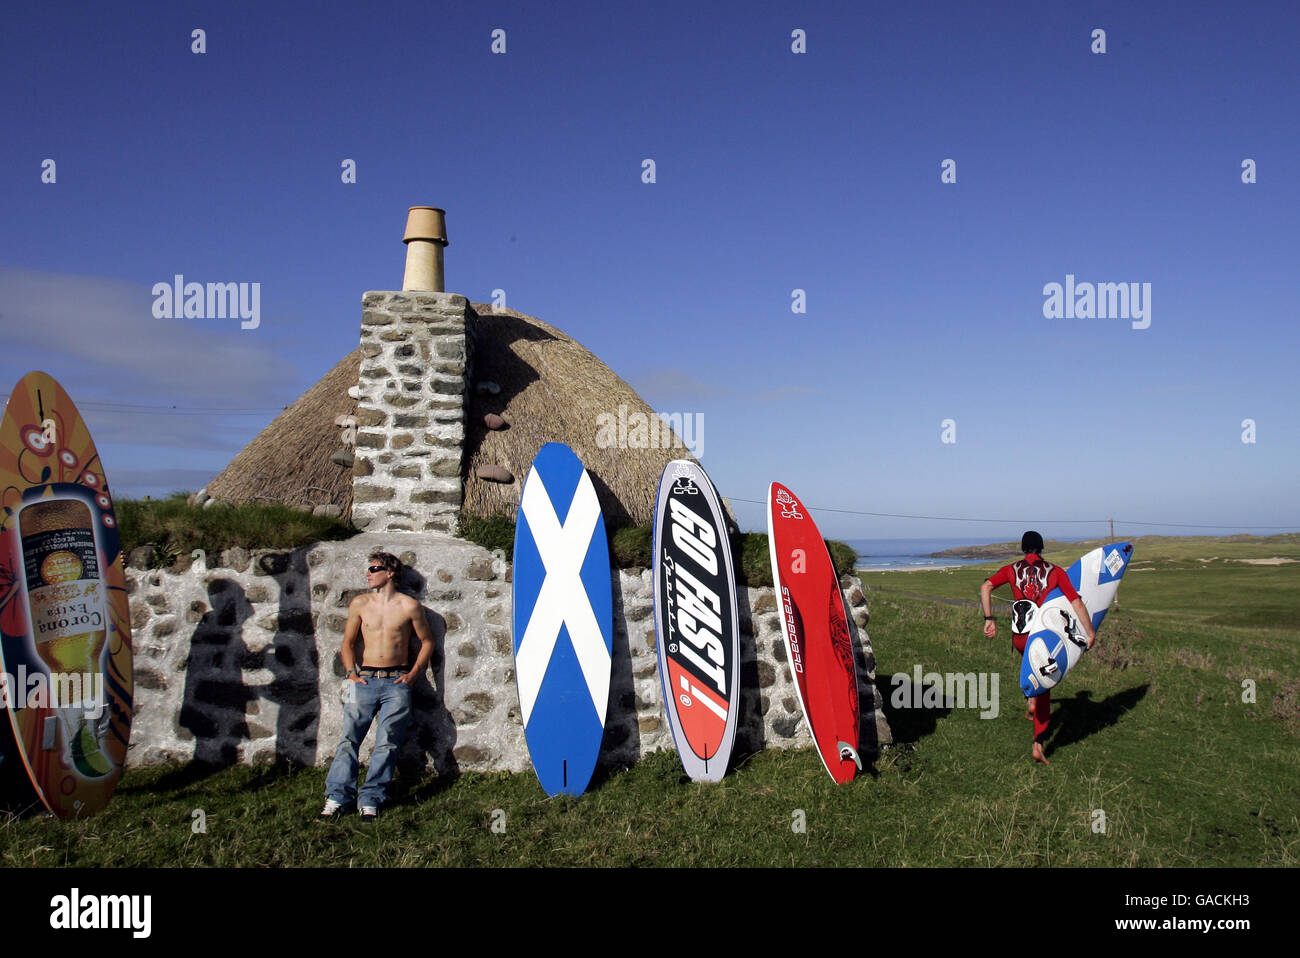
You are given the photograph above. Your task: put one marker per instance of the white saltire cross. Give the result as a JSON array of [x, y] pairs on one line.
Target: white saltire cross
[[563, 599]]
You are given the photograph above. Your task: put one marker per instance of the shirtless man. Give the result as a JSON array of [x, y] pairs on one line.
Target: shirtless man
[[383, 619]]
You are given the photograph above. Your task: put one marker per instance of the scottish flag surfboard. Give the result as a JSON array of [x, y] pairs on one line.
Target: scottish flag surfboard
[[1056, 637], [563, 620]]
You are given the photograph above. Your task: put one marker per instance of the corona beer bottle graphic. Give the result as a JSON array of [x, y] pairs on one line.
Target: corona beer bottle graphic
[[69, 620]]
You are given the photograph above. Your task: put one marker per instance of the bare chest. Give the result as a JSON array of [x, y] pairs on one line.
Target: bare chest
[[384, 619]]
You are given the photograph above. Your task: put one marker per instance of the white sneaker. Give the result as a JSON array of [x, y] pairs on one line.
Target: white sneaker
[[331, 809], [369, 813]]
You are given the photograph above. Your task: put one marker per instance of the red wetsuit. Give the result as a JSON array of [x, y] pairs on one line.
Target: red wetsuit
[[1033, 578]]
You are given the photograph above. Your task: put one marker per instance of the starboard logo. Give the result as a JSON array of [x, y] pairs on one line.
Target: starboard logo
[[694, 609], [77, 911], [684, 486], [789, 505], [792, 629]]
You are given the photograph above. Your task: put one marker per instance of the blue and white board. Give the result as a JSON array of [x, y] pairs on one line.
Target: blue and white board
[[1056, 637], [563, 620]]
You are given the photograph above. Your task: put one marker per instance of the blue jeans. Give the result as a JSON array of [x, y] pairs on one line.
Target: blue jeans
[[391, 701]]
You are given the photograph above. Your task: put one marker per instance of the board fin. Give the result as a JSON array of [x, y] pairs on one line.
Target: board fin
[[847, 752]]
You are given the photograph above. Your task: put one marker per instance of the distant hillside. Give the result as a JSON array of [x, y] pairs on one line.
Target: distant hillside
[[1195, 544]]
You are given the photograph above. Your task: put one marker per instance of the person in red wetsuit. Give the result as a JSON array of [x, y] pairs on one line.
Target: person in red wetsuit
[[1032, 579]]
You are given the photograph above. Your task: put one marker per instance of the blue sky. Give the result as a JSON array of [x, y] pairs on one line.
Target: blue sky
[[775, 171]]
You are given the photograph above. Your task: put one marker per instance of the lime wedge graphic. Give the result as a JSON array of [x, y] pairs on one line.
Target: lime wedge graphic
[[87, 756]]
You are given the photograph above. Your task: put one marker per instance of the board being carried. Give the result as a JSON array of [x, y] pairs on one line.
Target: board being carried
[[695, 620], [816, 629], [65, 633], [563, 620], [1056, 639]]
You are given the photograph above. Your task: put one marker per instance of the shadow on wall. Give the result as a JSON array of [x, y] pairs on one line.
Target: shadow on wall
[[750, 738], [293, 661], [864, 665], [621, 744], [431, 738], [215, 697], [220, 708]]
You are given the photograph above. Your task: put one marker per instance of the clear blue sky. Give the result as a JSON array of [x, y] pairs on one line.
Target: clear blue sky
[[775, 171]]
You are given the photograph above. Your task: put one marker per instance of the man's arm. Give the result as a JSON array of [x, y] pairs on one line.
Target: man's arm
[[352, 632], [986, 596], [420, 623], [999, 578], [1062, 582]]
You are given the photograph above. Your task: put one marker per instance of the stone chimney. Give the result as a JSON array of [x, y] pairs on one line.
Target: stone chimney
[[416, 355]]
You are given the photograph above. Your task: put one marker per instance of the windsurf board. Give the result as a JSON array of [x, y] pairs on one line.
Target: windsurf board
[[563, 620], [816, 630], [1056, 639], [65, 632], [696, 620]]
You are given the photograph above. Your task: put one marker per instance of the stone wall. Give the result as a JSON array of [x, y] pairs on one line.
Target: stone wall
[[240, 662], [415, 363]]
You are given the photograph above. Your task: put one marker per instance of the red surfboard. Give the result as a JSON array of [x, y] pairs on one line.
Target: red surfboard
[[816, 631]]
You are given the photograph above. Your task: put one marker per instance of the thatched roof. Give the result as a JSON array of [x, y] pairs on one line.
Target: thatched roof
[[552, 389], [289, 460]]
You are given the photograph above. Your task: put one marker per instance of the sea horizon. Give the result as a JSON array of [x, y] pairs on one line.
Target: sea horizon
[[882, 555]]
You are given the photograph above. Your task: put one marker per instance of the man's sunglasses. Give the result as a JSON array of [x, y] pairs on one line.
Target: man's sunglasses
[[376, 568]]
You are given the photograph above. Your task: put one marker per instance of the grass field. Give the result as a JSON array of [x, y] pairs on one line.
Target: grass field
[[1152, 739]]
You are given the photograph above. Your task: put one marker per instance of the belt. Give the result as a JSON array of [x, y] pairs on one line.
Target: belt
[[391, 673]]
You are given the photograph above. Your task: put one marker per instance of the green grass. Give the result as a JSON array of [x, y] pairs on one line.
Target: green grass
[[173, 529], [1151, 729]]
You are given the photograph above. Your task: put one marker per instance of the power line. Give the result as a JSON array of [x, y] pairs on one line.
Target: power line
[[1189, 525], [161, 410], [896, 515], [105, 406]]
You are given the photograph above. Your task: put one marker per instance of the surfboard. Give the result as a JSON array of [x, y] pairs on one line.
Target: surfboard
[[816, 630], [65, 631], [563, 620], [1056, 638], [696, 621]]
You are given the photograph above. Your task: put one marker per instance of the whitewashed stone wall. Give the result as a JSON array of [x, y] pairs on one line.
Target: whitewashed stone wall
[[415, 359], [240, 662]]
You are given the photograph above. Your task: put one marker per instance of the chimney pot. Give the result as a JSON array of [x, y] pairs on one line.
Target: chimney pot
[[425, 237]]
